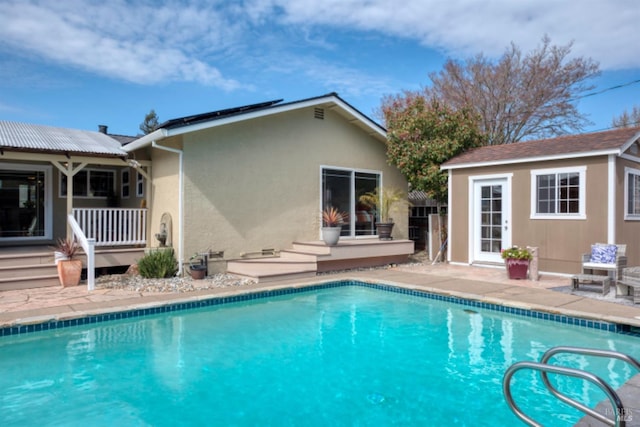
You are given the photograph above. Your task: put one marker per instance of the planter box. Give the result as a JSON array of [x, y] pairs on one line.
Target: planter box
[[517, 268]]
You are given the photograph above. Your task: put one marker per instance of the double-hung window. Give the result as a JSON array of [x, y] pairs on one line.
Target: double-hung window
[[632, 194], [558, 193]]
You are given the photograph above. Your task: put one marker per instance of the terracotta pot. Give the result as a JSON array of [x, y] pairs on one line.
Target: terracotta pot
[[69, 272], [198, 271], [331, 235], [517, 268]]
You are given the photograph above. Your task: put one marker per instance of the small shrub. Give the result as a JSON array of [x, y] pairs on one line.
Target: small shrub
[[158, 264]]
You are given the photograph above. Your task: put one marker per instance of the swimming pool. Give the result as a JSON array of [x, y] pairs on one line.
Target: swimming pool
[[336, 355]]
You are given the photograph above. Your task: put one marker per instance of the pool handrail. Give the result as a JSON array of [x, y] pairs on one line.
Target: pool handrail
[[89, 249], [544, 367], [585, 352]]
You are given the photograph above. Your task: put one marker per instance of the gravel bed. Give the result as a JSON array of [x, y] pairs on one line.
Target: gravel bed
[[137, 283]]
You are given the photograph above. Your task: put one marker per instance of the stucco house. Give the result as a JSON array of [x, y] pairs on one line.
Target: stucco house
[[244, 184], [561, 195], [251, 181]]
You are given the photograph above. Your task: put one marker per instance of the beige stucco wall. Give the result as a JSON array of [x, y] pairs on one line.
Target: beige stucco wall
[[560, 242], [256, 184], [164, 197]]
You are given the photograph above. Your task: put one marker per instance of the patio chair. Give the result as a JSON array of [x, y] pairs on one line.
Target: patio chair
[[611, 259]]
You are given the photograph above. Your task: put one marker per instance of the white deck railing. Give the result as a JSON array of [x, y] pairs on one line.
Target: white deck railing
[[113, 226], [88, 245]]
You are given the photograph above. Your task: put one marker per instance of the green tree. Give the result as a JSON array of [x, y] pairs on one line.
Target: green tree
[[150, 122], [627, 119], [422, 134], [520, 96]]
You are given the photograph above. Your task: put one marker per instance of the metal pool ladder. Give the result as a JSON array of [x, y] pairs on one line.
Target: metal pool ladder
[[544, 368]]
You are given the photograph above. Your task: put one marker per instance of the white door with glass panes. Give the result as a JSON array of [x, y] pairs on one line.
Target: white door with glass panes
[[491, 219]]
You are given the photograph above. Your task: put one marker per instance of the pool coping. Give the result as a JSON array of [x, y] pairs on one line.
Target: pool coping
[[494, 296]]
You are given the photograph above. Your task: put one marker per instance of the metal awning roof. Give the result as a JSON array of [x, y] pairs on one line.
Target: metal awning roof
[[40, 138]]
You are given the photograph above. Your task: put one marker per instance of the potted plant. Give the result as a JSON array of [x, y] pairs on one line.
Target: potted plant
[[69, 268], [197, 267], [384, 201], [332, 220], [517, 261]]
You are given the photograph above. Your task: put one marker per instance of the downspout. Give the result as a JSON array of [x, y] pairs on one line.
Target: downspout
[[180, 202], [611, 196]]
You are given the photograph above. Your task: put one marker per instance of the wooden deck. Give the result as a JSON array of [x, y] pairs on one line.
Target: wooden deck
[[306, 259], [33, 266], [24, 267]]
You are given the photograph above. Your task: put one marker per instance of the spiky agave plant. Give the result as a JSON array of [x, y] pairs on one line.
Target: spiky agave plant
[[332, 217]]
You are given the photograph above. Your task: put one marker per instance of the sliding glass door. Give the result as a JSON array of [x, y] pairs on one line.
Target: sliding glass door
[[24, 211], [341, 188]]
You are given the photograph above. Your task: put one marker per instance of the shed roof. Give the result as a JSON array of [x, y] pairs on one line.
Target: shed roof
[[582, 145], [41, 138]]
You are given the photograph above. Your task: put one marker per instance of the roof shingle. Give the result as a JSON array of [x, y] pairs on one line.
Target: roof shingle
[[563, 146]]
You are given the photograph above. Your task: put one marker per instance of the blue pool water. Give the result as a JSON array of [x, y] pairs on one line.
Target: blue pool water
[[342, 356]]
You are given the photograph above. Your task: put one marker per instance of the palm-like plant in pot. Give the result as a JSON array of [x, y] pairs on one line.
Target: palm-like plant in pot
[[69, 267], [385, 201], [332, 220]]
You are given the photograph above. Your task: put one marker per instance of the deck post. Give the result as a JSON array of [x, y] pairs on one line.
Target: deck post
[[91, 265]]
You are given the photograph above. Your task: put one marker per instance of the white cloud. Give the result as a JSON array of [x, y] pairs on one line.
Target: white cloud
[[601, 29], [140, 43], [204, 41]]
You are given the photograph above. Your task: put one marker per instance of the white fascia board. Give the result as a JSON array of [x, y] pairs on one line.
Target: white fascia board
[[146, 140], [375, 128], [629, 142], [635, 159], [534, 159]]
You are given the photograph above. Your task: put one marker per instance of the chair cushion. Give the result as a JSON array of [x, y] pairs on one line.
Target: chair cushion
[[603, 254]]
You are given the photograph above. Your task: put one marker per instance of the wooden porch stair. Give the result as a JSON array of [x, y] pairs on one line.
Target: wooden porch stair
[[25, 268], [306, 259]]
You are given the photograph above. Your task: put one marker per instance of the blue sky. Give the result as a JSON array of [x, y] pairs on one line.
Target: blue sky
[[80, 63]]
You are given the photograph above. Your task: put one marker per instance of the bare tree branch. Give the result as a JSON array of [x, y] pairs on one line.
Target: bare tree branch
[[519, 96]]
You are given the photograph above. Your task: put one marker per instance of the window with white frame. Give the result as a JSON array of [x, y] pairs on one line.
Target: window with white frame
[[91, 183], [558, 193], [139, 185], [632, 193], [125, 184]]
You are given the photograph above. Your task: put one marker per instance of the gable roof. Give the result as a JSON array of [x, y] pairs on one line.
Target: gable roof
[[584, 145], [212, 119], [39, 138], [216, 115]]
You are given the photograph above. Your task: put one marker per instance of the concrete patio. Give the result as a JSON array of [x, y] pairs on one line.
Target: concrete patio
[[491, 285]]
